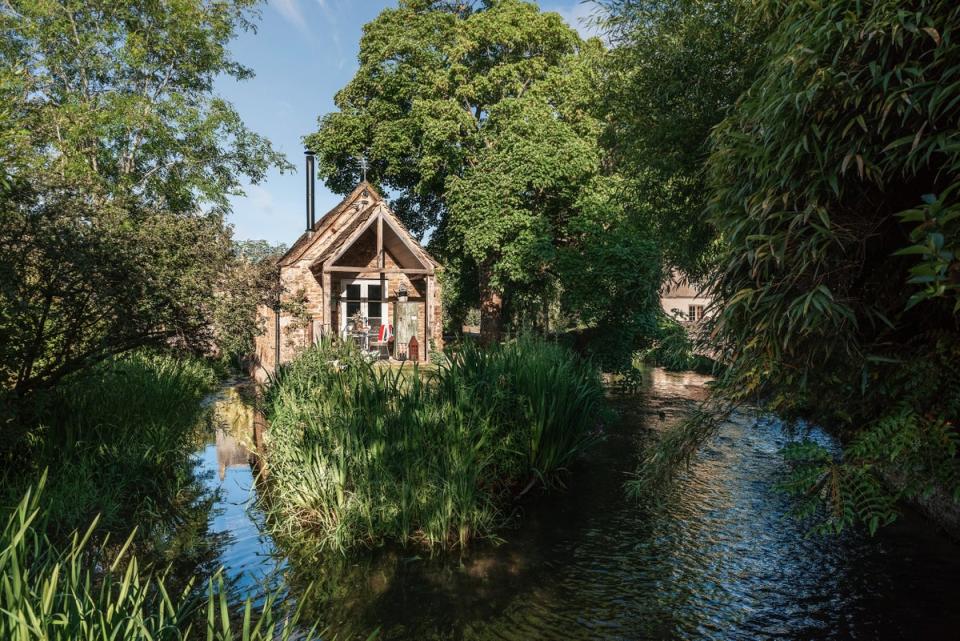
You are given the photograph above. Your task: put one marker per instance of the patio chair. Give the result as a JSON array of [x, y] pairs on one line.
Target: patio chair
[[382, 342]]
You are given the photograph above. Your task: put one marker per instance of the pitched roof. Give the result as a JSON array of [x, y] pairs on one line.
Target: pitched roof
[[358, 221], [305, 241], [369, 200]]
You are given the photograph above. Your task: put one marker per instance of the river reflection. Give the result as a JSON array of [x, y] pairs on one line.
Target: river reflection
[[725, 561], [225, 466]]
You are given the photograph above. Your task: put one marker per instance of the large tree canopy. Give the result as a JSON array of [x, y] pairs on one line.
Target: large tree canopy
[[482, 120], [118, 161], [676, 70], [420, 105]]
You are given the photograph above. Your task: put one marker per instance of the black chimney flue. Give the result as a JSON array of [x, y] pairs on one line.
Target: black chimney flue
[[311, 201]]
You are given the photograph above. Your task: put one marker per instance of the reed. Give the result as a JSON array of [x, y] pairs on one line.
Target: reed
[[116, 441], [80, 591], [361, 454]]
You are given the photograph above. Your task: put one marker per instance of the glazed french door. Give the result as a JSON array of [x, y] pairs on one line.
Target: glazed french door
[[363, 297]]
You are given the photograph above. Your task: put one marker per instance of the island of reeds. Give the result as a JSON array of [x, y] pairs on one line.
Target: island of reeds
[[365, 454]]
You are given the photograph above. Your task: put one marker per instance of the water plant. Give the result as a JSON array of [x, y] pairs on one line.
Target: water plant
[[363, 454], [82, 591], [116, 440]]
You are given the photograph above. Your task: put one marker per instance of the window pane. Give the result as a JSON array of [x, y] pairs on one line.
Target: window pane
[[374, 292], [353, 292], [353, 306], [373, 309]]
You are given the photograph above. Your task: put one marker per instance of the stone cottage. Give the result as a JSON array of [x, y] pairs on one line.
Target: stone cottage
[[352, 271]]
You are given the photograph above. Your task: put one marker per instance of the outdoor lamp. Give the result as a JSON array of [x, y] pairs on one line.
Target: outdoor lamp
[[402, 293]]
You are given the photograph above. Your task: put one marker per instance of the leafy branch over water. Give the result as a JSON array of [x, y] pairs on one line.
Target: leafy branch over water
[[834, 184]]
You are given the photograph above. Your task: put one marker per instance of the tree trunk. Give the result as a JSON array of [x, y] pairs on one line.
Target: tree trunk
[[491, 308]]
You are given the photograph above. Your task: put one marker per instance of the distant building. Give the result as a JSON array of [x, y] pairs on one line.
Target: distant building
[[682, 299]]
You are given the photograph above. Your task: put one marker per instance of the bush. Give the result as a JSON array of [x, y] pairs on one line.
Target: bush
[[363, 454], [673, 349]]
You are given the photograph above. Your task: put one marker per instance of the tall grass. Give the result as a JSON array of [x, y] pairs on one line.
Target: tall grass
[[363, 454], [85, 592], [116, 440]]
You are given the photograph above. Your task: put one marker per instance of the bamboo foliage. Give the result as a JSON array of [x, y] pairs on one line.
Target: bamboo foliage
[[834, 188]]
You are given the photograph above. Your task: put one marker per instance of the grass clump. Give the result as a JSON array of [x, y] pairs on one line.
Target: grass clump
[[79, 591], [364, 454], [116, 441]]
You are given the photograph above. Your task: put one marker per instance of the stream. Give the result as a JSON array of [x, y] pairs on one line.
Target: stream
[[725, 561]]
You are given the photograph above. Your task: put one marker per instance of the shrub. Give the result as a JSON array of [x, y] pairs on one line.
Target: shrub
[[673, 349], [363, 454]]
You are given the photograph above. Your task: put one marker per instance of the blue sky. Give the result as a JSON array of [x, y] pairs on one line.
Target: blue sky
[[304, 51]]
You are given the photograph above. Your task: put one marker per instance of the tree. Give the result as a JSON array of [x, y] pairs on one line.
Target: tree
[[676, 70], [835, 187], [258, 251], [483, 119], [121, 160], [248, 279]]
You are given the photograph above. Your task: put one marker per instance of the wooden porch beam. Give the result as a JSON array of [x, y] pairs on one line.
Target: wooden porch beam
[[426, 320], [375, 270], [380, 259]]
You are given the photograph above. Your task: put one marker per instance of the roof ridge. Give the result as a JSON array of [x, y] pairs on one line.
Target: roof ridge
[[303, 242]]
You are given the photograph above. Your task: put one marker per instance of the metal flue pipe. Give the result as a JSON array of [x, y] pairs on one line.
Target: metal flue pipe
[[311, 182]]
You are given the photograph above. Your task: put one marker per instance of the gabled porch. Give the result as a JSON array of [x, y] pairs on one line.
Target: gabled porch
[[379, 283]]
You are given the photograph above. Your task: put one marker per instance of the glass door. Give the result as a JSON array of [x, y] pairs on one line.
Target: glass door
[[361, 306]]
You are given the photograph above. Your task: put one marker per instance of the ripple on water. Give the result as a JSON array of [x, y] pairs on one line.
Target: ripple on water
[[726, 561]]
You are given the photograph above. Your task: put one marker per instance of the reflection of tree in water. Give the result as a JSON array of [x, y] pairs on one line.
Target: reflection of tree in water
[[182, 536], [406, 595]]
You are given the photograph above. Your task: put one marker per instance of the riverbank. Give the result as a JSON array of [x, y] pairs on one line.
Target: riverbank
[[115, 443], [114, 447]]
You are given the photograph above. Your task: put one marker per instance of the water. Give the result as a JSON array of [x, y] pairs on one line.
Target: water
[[725, 561], [225, 467]]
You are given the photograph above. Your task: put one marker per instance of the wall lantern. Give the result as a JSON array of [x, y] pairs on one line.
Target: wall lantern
[[402, 293]]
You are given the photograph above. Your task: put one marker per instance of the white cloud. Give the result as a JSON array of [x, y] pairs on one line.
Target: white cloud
[[260, 200], [290, 10], [330, 10]]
